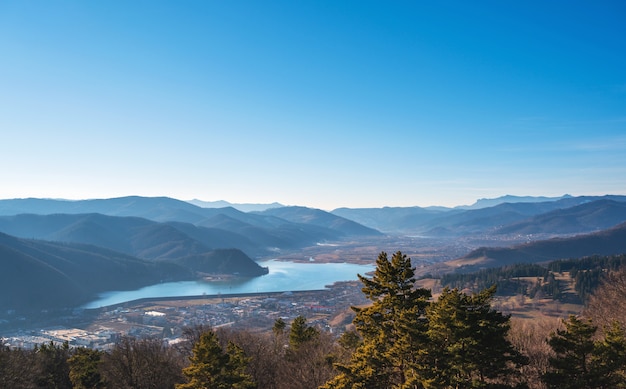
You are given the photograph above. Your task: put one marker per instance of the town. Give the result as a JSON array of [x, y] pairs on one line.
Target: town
[[327, 309]]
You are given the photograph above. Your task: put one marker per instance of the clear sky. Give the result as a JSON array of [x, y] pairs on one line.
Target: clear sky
[[317, 103]]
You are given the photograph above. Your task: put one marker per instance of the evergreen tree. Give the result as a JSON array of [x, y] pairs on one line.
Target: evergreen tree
[[393, 329], [573, 346], [610, 357], [468, 345], [581, 362], [213, 368], [84, 369], [52, 365], [279, 326], [300, 333]]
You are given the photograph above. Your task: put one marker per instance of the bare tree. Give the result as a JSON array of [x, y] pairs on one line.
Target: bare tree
[[608, 303], [17, 369], [530, 337], [265, 353], [142, 363]]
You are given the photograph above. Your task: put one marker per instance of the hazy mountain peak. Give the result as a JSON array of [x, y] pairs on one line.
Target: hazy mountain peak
[[240, 207], [485, 202]]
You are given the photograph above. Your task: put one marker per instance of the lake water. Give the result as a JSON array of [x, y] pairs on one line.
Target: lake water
[[282, 277]]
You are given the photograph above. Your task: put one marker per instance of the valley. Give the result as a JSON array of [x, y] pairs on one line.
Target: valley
[[57, 262]]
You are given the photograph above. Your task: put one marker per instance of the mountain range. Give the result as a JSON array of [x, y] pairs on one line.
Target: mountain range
[[43, 275], [505, 217], [238, 206], [61, 252], [607, 242]]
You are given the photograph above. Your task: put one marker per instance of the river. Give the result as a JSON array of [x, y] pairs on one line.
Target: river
[[282, 277]]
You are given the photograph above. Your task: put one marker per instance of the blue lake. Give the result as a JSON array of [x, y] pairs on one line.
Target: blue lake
[[282, 277]]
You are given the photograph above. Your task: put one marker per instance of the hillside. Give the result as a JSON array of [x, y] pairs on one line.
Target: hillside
[[153, 208], [38, 274], [137, 237], [256, 233], [607, 242], [586, 217], [134, 236], [392, 219], [501, 217], [309, 216]]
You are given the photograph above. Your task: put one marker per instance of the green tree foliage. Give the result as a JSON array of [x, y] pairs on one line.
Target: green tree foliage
[[301, 333], [84, 369], [581, 362], [507, 278], [52, 365], [589, 272], [457, 342], [610, 357], [468, 345], [393, 329], [212, 367], [279, 326]]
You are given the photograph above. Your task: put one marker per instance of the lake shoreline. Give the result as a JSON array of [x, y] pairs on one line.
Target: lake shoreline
[[146, 300]]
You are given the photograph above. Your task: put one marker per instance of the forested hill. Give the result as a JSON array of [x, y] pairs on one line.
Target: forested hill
[[530, 278], [608, 242], [40, 274], [45, 275], [559, 216], [255, 233]]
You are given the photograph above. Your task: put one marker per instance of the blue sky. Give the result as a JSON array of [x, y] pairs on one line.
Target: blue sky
[[324, 104]]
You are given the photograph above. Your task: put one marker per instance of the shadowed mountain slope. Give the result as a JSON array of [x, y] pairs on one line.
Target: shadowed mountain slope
[[258, 231], [310, 216], [130, 235], [153, 208], [458, 222], [392, 219], [223, 261], [38, 274], [587, 217], [608, 242]]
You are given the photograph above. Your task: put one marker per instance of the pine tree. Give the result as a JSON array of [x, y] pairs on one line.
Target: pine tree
[[53, 367], [610, 357], [84, 369], [279, 327], [213, 368], [581, 362], [393, 329], [468, 345], [300, 333]]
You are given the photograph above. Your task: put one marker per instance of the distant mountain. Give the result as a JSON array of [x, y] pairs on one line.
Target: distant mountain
[[133, 236], [310, 216], [462, 222], [587, 217], [485, 203], [259, 232], [486, 220], [606, 242], [392, 219], [153, 208], [240, 207], [38, 274]]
